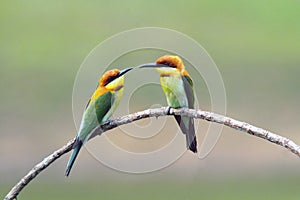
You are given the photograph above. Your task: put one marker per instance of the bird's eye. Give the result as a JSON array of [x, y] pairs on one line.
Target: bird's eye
[[168, 64], [109, 79]]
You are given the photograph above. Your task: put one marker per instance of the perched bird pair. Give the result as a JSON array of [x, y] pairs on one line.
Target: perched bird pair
[[176, 84]]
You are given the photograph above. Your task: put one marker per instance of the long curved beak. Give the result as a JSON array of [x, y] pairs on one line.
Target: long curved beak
[[152, 65], [124, 71]]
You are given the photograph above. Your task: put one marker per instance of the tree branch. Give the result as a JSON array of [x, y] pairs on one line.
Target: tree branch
[[157, 112]]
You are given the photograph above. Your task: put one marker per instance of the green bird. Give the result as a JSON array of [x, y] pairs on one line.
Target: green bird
[[100, 107], [178, 88]]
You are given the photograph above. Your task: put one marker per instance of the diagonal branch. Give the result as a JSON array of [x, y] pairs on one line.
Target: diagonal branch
[[157, 112]]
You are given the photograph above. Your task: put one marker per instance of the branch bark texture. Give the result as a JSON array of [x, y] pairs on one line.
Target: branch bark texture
[[157, 112]]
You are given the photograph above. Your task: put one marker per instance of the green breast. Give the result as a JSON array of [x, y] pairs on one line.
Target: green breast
[[174, 91]]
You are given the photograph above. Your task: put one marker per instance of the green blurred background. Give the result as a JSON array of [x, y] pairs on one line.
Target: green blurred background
[[255, 45]]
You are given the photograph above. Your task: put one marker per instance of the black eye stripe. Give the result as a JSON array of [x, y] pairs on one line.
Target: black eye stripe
[[168, 64], [110, 79]]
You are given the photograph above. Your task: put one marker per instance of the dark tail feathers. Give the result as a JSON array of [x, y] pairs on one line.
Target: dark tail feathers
[[191, 141], [77, 146]]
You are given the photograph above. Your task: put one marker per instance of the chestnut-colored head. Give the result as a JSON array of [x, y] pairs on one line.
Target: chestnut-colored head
[[113, 78], [168, 65], [108, 76], [171, 61]]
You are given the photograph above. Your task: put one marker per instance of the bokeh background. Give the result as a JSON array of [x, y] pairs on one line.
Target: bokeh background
[[255, 45]]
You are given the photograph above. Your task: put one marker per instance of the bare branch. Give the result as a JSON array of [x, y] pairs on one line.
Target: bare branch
[[157, 112]]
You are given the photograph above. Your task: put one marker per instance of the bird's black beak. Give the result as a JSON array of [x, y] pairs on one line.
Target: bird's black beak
[[153, 65], [124, 71]]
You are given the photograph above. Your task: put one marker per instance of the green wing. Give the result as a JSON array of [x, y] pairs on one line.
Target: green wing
[[94, 114], [188, 87], [103, 104], [187, 123]]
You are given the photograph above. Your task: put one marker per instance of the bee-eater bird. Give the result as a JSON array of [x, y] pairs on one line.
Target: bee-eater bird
[[178, 88], [100, 107]]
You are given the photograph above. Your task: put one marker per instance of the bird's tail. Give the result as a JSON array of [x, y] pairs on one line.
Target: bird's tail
[[77, 146], [187, 127]]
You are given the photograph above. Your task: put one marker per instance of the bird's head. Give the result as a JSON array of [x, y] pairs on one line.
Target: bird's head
[[167, 65], [113, 79]]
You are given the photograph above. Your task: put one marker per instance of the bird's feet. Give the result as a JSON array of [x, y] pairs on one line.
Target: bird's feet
[[168, 110], [108, 122]]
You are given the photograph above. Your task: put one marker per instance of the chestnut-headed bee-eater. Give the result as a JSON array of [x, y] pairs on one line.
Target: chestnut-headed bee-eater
[[178, 88], [100, 107]]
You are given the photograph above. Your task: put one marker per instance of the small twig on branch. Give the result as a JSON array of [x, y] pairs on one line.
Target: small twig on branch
[[157, 112]]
